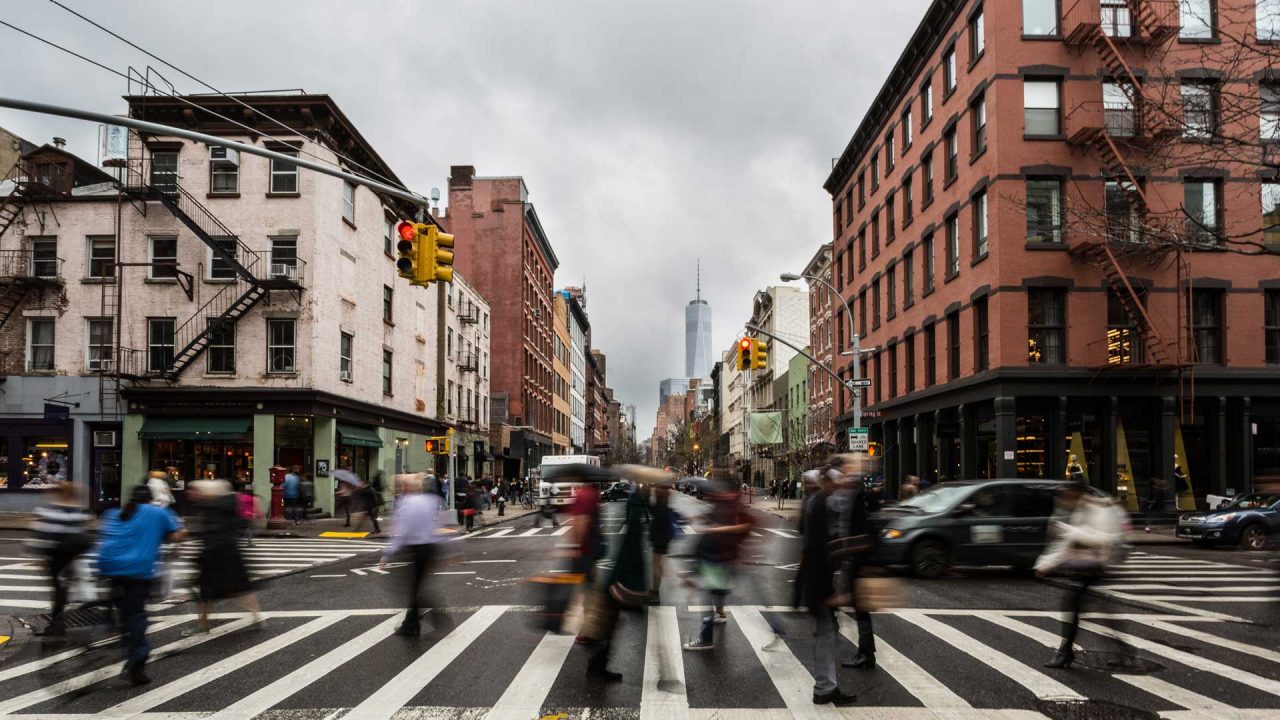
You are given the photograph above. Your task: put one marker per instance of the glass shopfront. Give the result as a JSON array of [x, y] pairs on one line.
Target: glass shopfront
[[34, 456], [186, 460], [295, 437]]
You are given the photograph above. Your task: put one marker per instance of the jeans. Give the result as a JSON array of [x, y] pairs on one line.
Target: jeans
[[292, 512], [130, 596], [715, 604], [59, 564], [824, 651]]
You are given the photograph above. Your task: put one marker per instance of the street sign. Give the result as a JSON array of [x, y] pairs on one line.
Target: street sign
[[859, 439], [864, 382]]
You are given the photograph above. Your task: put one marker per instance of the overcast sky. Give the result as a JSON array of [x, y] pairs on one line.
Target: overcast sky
[[649, 133]]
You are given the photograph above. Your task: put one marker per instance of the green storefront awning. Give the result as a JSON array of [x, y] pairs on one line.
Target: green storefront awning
[[358, 436], [211, 428]]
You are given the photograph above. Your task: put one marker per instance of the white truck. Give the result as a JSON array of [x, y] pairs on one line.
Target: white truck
[[557, 492]]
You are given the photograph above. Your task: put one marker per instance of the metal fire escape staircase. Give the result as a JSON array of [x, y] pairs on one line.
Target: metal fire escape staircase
[[245, 288], [1150, 27], [19, 279]]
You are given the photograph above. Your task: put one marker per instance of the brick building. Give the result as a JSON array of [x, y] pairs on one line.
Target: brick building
[[819, 385], [501, 246], [1027, 230]]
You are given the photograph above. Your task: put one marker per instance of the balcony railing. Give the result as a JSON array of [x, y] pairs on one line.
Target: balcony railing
[[29, 264], [467, 361]]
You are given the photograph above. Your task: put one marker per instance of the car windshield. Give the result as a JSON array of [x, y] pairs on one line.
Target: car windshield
[[936, 499], [1253, 501]]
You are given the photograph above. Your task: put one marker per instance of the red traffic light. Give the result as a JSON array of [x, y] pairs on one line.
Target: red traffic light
[[745, 344], [406, 230]]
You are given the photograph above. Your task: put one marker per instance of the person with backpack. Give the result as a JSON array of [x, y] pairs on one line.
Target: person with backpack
[[60, 535], [1087, 537]]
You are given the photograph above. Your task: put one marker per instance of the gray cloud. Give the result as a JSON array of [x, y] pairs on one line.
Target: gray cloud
[[649, 133]]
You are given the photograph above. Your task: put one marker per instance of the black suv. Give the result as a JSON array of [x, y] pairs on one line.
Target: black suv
[[978, 522]]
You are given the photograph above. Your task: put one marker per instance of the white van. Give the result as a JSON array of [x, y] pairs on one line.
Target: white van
[[560, 493]]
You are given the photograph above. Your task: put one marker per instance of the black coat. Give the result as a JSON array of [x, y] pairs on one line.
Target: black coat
[[815, 581]]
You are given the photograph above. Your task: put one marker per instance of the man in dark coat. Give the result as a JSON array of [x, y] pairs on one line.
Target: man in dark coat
[[816, 591]]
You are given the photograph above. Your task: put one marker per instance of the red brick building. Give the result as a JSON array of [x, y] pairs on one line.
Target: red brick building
[[822, 333], [501, 247], [1037, 228]]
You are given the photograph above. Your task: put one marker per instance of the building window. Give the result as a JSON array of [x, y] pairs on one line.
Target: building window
[[977, 36], [930, 355], [889, 154], [981, 335], [878, 386], [164, 171], [1206, 318], [862, 189], [1120, 118], [875, 172], [44, 257], [875, 234], [1044, 210], [1269, 115], [908, 279], [1202, 204], [39, 345], [284, 174], [164, 258], [949, 71], [1268, 20], [953, 345], [1046, 326], [219, 267], [221, 353], [980, 225], [1124, 341], [448, 400], [388, 297], [98, 351], [926, 250], [224, 177], [1271, 216], [891, 290], [926, 101], [1040, 17], [1272, 321], [1123, 222], [848, 206], [345, 370], [160, 344], [862, 313], [349, 202], [1197, 18], [890, 219], [909, 350], [978, 119], [907, 138], [908, 201], [926, 172], [1041, 108], [386, 372], [281, 354], [862, 249], [893, 371], [1117, 18], [953, 155], [953, 246], [102, 257], [875, 304], [1199, 110]]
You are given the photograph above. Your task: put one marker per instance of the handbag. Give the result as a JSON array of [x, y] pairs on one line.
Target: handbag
[[469, 512]]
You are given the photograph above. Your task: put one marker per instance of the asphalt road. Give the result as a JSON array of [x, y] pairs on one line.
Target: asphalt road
[[1178, 631]]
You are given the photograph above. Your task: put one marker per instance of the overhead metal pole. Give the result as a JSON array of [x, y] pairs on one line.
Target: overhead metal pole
[[159, 129]]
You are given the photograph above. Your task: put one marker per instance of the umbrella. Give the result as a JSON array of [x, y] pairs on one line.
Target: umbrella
[[346, 476]]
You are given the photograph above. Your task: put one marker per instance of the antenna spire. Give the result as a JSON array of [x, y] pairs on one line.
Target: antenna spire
[[699, 265]]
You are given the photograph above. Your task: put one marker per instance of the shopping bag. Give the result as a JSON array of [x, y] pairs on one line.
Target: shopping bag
[[83, 587], [556, 591], [873, 594], [599, 616]]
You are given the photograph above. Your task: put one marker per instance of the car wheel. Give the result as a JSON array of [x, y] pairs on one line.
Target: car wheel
[[929, 559], [1253, 537]]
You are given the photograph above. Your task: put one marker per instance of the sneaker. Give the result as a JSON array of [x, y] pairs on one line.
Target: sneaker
[[835, 697], [721, 619], [773, 644], [603, 674], [197, 630], [699, 645]]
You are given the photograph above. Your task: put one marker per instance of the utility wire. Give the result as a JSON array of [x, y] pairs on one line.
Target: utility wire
[[159, 59]]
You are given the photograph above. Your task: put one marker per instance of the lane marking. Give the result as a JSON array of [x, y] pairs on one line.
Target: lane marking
[[663, 692], [481, 562], [1204, 637], [1215, 589], [916, 680], [526, 693], [1178, 695], [399, 690], [34, 665], [500, 533], [792, 681], [328, 576], [456, 572]]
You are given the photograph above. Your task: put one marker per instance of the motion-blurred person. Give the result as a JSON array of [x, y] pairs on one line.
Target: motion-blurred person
[[662, 530], [909, 488], [127, 553], [368, 496], [1081, 547], [292, 491], [816, 591], [162, 497], [1154, 503], [217, 524], [720, 538], [158, 484], [306, 495], [628, 582], [247, 507], [415, 534], [850, 505], [59, 535], [587, 539]]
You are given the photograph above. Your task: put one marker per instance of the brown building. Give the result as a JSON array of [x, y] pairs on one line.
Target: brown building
[[501, 246], [821, 387], [1043, 225], [597, 403]]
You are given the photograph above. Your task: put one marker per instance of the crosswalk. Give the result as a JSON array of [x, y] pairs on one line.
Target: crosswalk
[[608, 528], [1190, 584], [934, 664], [25, 589]]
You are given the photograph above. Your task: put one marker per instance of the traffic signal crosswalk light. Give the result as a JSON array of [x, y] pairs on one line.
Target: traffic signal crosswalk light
[[438, 445]]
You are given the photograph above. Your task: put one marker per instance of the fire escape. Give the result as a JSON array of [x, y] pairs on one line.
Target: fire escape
[[1130, 124], [25, 273]]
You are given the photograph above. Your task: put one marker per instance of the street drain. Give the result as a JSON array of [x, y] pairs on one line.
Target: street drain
[[1117, 662], [1073, 709]]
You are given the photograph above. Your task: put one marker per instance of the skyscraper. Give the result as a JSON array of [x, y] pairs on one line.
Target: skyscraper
[[697, 335]]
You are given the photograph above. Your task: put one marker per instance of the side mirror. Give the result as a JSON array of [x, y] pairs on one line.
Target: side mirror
[[963, 509]]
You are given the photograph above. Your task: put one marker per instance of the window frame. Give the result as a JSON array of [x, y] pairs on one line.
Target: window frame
[[273, 345], [926, 169], [1128, 330], [907, 130], [1040, 83], [978, 126], [908, 199], [1272, 15], [346, 348], [283, 169], [1207, 130], [160, 356], [220, 344], [388, 372], [1196, 230], [1270, 228], [1269, 120], [218, 269], [165, 180], [1215, 330], [105, 348], [930, 264], [953, 345], [930, 354], [953, 245], [981, 224], [1057, 229], [168, 272], [950, 71], [44, 253], [31, 348], [977, 35], [891, 290], [981, 334], [388, 304], [349, 202], [1271, 326], [1211, 25], [908, 279], [223, 170], [92, 244], [1047, 327], [1055, 32], [951, 146]]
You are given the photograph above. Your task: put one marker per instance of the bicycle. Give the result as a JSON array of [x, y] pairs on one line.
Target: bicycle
[[526, 501]]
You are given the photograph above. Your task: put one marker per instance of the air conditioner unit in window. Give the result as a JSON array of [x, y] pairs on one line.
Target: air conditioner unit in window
[[283, 270], [345, 375], [219, 155], [104, 438]]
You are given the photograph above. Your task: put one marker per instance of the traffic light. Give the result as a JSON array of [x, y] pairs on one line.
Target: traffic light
[[759, 355], [438, 445], [407, 264], [873, 449], [439, 253], [745, 347]]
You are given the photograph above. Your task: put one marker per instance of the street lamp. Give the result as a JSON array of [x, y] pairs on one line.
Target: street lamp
[[855, 351]]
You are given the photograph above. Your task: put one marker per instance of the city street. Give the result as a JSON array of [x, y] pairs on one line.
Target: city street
[[1181, 632]]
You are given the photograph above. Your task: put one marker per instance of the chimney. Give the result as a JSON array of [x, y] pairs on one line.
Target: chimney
[[59, 142], [461, 175]]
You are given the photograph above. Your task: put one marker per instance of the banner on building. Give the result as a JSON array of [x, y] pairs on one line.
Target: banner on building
[[115, 145], [766, 428]]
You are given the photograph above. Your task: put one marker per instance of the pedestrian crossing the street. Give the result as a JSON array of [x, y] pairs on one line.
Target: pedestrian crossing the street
[[933, 664], [25, 589], [1187, 583]]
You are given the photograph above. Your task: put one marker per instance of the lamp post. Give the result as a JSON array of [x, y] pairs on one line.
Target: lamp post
[[856, 350]]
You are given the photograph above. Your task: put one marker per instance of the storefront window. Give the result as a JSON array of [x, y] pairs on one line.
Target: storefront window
[[1033, 448], [187, 460], [4, 463], [45, 463], [294, 439]]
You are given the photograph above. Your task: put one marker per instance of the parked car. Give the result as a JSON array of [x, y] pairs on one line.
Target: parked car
[[1248, 521], [616, 491], [975, 523]]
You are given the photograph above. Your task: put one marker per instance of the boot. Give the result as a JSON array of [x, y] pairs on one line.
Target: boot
[[1063, 659], [597, 666]]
